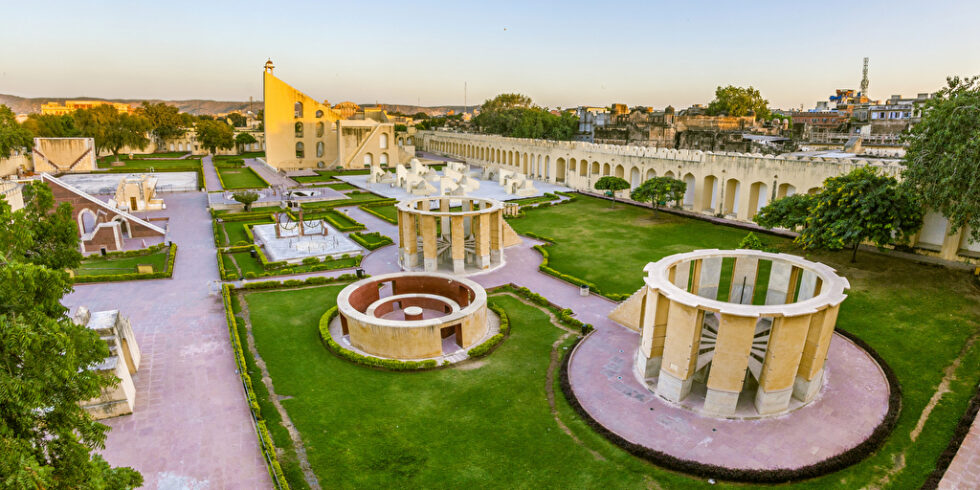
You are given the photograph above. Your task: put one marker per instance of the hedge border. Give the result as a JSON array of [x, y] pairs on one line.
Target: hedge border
[[563, 314], [383, 240], [547, 269], [955, 441], [284, 268], [488, 346], [199, 170], [367, 209], [166, 273], [221, 181], [833, 464]]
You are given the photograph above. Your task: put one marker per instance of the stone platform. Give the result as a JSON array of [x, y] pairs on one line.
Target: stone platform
[[854, 401]]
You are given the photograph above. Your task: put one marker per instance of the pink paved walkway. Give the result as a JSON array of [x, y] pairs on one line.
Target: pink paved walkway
[[964, 471], [191, 427], [210, 176]]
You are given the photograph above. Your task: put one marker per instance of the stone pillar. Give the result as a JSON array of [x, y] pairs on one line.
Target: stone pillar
[[809, 377], [728, 365], [413, 313], [482, 235], [681, 275], [709, 278], [744, 198], [457, 245], [496, 236], [680, 351], [411, 241], [779, 277], [429, 251], [444, 207], [781, 364], [653, 329], [695, 276], [744, 275]]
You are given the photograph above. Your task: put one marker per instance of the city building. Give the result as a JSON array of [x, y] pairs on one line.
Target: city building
[[56, 109]]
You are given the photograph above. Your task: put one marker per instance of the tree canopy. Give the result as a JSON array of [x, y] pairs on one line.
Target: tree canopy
[[215, 135], [788, 212], [246, 198], [47, 438], [242, 139], [51, 126], [13, 136], [862, 205], [611, 185], [659, 191], [515, 115], [943, 157], [165, 121], [112, 130], [738, 101]]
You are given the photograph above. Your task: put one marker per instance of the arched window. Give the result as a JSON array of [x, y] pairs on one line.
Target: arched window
[[384, 141], [383, 159], [298, 109], [299, 150], [319, 129], [299, 130], [319, 149], [319, 114], [410, 140], [321, 165], [401, 141], [368, 159]]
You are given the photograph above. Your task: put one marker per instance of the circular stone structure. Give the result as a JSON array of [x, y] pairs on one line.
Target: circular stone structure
[[764, 327], [468, 239], [413, 315]]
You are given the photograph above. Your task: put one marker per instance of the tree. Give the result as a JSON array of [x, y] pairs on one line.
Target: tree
[[738, 101], [51, 126], [611, 184], [237, 119], [13, 136], [166, 122], [47, 438], [789, 212], [214, 135], [943, 157], [111, 130], [506, 101], [246, 198], [242, 139], [862, 205], [515, 115], [659, 191]]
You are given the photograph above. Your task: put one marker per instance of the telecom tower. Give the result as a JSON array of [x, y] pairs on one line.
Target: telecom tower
[[864, 79]]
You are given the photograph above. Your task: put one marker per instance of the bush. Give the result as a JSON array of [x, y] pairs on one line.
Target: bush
[[753, 242], [348, 355], [371, 241], [131, 276], [250, 275], [311, 261]]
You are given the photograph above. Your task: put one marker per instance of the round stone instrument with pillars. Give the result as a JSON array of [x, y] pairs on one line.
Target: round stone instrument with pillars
[[770, 332], [453, 233]]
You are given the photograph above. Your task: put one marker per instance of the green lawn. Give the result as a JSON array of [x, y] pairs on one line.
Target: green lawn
[[341, 186], [389, 211], [240, 178], [455, 428], [918, 317], [189, 164], [246, 263], [98, 266], [327, 175], [236, 231]]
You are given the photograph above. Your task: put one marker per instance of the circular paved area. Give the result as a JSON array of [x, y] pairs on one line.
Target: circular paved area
[[853, 402]]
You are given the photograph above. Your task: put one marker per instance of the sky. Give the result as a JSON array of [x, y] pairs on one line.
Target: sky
[[561, 54]]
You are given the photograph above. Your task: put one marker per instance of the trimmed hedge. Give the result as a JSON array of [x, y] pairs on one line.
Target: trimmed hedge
[[547, 269], [311, 281], [367, 209], [168, 271], [371, 241], [283, 268], [201, 182], [348, 355], [265, 439], [493, 342], [701, 470], [564, 315]]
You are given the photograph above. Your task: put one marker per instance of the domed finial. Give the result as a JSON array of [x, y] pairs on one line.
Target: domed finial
[[269, 66]]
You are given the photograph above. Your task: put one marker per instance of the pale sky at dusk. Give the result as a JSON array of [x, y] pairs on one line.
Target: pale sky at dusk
[[560, 53]]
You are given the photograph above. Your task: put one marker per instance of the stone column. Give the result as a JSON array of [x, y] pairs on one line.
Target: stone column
[[728, 365], [653, 329], [744, 275], [411, 241], [429, 250], [444, 207], [496, 236], [809, 376], [680, 351], [779, 278], [458, 243], [709, 278], [744, 200], [482, 235], [782, 361]]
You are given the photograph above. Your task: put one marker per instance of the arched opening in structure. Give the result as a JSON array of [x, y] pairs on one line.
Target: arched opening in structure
[[87, 220], [669, 174], [383, 141], [560, 170], [651, 173], [732, 190], [547, 167], [620, 172], [813, 190], [124, 226], [298, 129], [709, 197], [595, 168], [319, 149], [383, 160], [785, 190], [171, 147], [605, 169], [758, 197], [319, 129], [368, 159], [298, 109], [634, 177], [689, 190], [300, 151], [319, 113]]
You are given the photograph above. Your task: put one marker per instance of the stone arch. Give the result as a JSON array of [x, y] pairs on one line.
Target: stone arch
[[813, 190], [583, 168], [383, 141], [383, 159], [758, 198], [669, 173], [547, 166], [785, 190], [651, 173], [319, 149], [124, 227], [87, 220], [634, 177], [300, 151], [733, 189], [709, 197], [319, 113], [595, 168], [620, 172], [319, 129], [171, 147], [605, 169], [298, 109], [298, 129], [560, 170], [689, 180], [368, 159]]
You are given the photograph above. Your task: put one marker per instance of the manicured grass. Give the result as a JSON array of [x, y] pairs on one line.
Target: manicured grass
[[327, 175], [189, 164], [488, 426], [371, 241], [236, 231], [341, 186], [97, 266], [353, 198], [918, 317], [247, 263], [387, 211], [240, 178]]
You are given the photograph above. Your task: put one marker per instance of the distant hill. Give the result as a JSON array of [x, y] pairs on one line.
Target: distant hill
[[24, 105]]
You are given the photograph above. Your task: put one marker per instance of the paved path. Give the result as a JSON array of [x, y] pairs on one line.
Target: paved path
[[210, 175], [964, 471], [272, 177], [191, 427]]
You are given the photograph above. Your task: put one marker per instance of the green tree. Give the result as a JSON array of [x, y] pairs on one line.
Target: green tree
[[738, 101], [111, 130], [506, 101], [51, 126], [246, 198], [13, 136], [659, 191], [515, 115], [789, 212], [611, 185], [943, 157], [242, 139], [166, 122], [237, 120], [46, 437], [215, 135], [862, 205]]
